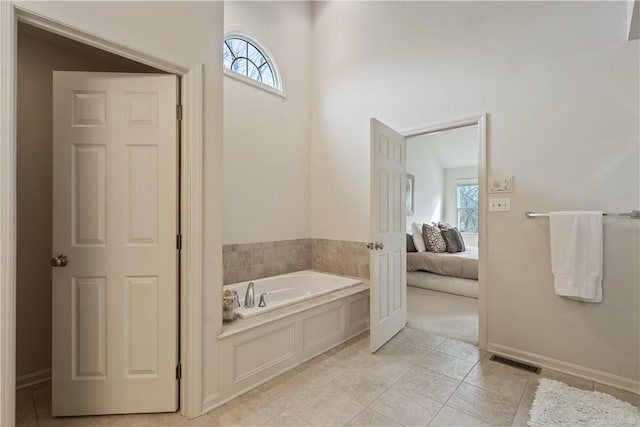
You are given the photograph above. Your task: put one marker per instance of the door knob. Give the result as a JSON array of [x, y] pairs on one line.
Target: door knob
[[369, 245], [59, 261], [379, 245]]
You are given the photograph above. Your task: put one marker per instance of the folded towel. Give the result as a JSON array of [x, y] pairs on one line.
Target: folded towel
[[576, 254]]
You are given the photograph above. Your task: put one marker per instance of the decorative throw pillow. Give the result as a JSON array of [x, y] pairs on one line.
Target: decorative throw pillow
[[453, 239], [443, 225], [461, 239], [418, 240], [433, 240], [411, 247]]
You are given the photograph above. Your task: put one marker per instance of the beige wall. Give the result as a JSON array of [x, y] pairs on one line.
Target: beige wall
[[266, 137], [560, 84], [39, 54]]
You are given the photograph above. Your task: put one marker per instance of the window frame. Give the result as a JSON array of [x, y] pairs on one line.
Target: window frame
[[466, 183], [279, 88]]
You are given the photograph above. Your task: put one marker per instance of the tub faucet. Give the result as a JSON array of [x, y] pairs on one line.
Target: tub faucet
[[248, 297]]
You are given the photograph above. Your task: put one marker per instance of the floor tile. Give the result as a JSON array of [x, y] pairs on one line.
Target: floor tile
[[22, 421], [201, 421], [504, 380], [287, 390], [450, 417], [321, 369], [427, 383], [250, 409], [485, 405], [25, 409], [287, 419], [522, 413], [461, 350], [627, 396], [45, 420], [349, 357], [370, 418], [446, 364], [404, 350], [406, 406], [42, 398], [328, 408], [407, 382], [363, 389], [388, 368], [166, 419], [361, 342], [420, 338]]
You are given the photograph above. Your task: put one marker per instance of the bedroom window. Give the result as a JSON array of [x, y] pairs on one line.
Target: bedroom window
[[245, 60], [468, 207]]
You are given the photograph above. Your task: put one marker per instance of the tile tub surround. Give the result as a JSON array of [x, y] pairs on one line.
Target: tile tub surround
[[349, 392], [340, 257], [250, 261]]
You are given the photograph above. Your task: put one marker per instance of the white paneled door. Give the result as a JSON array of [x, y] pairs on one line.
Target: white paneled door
[[388, 241], [115, 193]]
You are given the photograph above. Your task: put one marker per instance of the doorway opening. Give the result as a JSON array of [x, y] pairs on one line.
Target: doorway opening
[[39, 54], [443, 233], [393, 199]]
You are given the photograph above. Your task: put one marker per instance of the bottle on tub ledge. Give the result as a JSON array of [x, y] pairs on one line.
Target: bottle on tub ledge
[[230, 304]]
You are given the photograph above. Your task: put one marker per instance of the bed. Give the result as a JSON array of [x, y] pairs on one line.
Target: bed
[[455, 273]]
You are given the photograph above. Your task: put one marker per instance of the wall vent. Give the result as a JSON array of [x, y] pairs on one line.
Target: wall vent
[[515, 364]]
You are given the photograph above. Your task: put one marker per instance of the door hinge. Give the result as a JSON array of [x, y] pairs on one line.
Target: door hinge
[[179, 112], [179, 371], [179, 241]]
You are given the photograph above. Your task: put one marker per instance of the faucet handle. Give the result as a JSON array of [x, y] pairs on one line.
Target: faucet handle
[[262, 302]]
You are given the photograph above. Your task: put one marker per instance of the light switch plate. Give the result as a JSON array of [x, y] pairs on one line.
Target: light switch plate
[[500, 205], [500, 184]]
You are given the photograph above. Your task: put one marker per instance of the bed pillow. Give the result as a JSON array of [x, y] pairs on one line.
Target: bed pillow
[[461, 239], [418, 240], [411, 247], [453, 239], [433, 240], [443, 225]]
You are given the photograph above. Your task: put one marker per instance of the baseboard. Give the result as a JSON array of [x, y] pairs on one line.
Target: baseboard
[[209, 403], [566, 367], [33, 378]]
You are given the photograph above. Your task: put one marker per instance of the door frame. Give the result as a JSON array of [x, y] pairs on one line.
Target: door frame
[[481, 121], [53, 18]]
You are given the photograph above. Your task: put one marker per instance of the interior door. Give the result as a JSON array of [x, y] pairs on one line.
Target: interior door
[[115, 188], [388, 241]]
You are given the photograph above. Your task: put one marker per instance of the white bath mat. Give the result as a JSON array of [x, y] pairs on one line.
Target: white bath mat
[[557, 404]]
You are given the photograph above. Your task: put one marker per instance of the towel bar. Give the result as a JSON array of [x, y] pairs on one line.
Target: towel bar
[[635, 214]]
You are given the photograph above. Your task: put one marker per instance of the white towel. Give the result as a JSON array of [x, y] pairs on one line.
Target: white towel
[[576, 254]]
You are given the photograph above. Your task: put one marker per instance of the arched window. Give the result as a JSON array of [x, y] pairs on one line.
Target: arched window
[[243, 56]]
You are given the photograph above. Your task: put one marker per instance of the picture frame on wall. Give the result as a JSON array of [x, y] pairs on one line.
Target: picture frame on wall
[[409, 193]]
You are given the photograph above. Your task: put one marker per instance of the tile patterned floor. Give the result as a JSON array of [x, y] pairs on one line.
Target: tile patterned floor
[[417, 379]]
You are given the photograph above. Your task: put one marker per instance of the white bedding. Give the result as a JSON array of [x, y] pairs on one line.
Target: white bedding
[[436, 282]]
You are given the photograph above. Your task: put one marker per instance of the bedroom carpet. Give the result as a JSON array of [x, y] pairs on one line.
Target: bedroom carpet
[[557, 404], [443, 314]]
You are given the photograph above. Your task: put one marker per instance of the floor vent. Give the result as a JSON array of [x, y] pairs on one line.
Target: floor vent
[[515, 364]]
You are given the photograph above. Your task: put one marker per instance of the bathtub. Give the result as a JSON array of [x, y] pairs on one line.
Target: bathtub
[[287, 289]]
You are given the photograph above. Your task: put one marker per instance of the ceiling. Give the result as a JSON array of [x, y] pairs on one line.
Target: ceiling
[[454, 148]]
